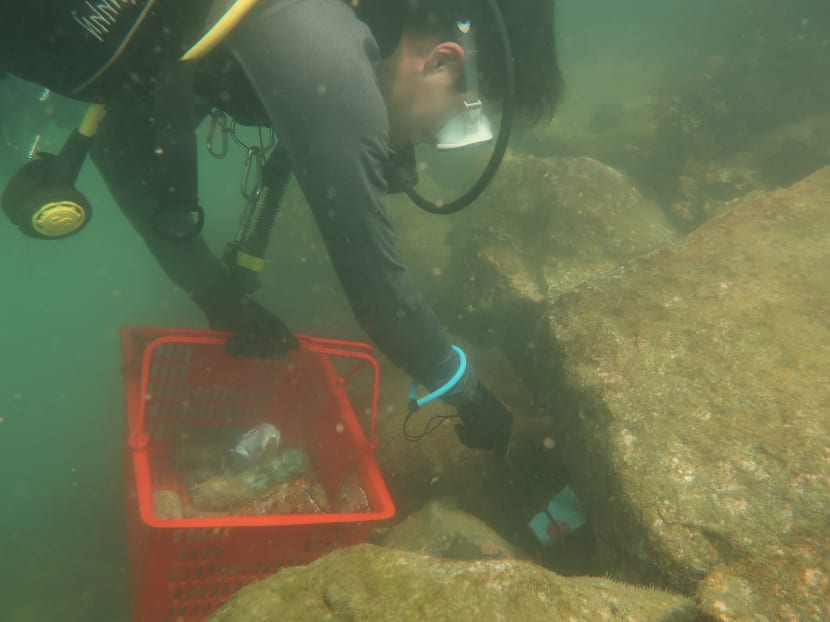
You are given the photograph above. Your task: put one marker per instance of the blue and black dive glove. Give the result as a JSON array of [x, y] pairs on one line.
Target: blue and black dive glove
[[258, 332], [485, 422]]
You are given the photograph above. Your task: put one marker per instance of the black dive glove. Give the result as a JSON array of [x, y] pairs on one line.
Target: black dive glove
[[485, 423], [258, 331]]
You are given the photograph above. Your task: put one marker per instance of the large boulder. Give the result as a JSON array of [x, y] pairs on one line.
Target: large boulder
[[723, 116], [545, 226], [442, 530], [367, 582], [692, 399]]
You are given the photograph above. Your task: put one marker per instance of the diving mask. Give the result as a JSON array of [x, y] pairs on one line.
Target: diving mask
[[471, 126]]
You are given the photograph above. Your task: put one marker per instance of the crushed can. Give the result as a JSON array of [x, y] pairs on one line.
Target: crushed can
[[563, 515], [253, 444]]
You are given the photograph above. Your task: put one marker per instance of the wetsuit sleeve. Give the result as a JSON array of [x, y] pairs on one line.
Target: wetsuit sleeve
[[312, 65]]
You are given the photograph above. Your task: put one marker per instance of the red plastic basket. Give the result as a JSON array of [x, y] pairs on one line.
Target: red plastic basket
[[181, 570]]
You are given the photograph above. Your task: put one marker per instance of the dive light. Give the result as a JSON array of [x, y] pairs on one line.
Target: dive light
[[41, 198]]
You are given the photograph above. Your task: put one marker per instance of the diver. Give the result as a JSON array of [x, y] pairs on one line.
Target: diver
[[348, 86]]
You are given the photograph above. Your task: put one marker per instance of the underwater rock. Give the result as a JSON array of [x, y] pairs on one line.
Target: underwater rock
[[350, 496], [779, 587], [754, 113], [441, 530], [221, 493], [607, 116], [782, 155], [167, 505], [304, 495], [545, 226], [691, 399], [375, 583]]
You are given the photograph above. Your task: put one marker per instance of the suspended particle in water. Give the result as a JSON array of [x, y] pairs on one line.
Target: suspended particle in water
[[548, 443]]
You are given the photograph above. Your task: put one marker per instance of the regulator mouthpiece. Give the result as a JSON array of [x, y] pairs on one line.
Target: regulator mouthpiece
[[471, 126]]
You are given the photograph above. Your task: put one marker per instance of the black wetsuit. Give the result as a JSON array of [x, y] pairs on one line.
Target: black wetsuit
[[311, 63]]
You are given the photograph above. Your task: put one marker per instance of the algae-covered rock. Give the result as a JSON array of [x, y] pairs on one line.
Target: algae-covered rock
[[712, 128], [221, 493], [386, 585], [692, 398], [790, 583], [545, 226], [167, 505], [442, 530]]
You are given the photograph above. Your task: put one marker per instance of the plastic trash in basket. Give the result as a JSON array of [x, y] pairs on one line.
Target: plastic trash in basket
[[257, 445], [256, 441]]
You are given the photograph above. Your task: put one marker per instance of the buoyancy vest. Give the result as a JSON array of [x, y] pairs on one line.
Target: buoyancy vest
[[79, 48], [82, 48]]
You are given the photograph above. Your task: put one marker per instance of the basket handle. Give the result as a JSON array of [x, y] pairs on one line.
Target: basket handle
[[355, 350], [138, 438]]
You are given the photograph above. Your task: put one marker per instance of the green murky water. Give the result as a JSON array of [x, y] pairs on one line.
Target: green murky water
[[62, 535]]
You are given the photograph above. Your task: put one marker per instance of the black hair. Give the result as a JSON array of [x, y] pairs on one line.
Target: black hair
[[530, 28]]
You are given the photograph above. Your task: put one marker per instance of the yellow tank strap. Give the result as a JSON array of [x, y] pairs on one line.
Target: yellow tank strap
[[92, 119], [213, 37], [250, 262], [220, 29]]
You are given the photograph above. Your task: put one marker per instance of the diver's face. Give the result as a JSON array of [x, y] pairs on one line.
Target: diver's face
[[419, 82]]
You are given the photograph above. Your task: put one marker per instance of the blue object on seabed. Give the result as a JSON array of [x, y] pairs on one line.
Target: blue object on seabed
[[562, 516]]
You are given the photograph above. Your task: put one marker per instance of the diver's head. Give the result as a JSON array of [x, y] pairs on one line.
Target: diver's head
[[424, 81]]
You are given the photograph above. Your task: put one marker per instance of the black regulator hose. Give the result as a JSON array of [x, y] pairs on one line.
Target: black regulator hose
[[501, 140]]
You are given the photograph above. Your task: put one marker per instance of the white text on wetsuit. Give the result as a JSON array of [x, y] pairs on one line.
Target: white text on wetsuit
[[101, 16]]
